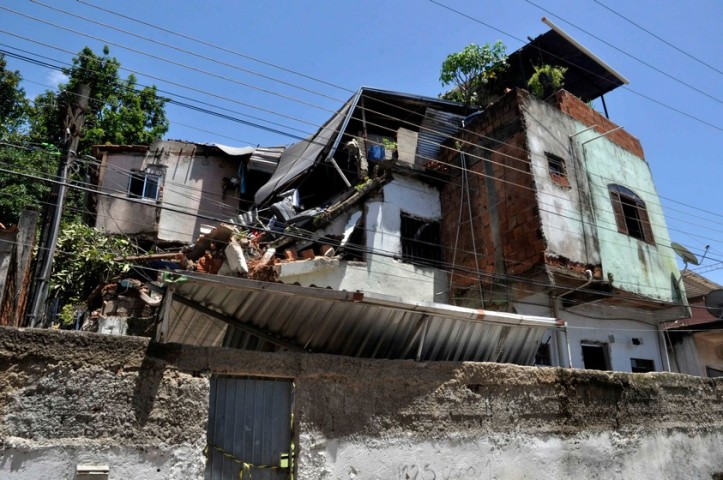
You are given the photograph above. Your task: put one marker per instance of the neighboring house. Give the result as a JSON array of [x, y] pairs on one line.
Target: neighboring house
[[696, 343], [168, 191]]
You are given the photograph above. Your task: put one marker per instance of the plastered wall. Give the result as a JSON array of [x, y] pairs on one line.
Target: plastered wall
[[141, 409]]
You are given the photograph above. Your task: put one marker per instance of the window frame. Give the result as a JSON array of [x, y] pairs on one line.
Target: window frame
[[558, 174], [631, 214], [423, 251], [137, 177]]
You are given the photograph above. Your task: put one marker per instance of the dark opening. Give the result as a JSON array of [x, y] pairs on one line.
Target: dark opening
[[632, 217], [420, 241], [594, 357], [641, 365], [542, 357], [556, 165]]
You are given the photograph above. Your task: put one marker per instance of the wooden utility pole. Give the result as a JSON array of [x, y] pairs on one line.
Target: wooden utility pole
[[51, 222]]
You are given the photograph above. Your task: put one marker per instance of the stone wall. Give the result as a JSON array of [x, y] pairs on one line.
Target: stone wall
[[69, 398]]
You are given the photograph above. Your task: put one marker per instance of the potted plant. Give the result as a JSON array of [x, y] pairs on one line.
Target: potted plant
[[546, 80]]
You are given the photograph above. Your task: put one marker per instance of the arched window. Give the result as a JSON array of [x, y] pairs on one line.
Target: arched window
[[631, 215]]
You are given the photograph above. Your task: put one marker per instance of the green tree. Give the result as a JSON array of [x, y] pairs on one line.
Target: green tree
[[13, 104], [86, 258], [471, 71], [119, 112]]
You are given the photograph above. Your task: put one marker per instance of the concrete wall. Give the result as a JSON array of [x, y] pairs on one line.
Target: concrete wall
[[565, 208], [116, 215], [142, 409], [638, 267], [192, 183]]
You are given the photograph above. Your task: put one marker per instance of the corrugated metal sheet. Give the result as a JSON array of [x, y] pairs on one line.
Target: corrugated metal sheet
[[301, 156], [347, 323], [250, 421], [266, 158], [436, 127]]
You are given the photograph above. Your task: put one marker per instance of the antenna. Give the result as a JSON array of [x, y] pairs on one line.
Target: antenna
[[685, 254], [714, 303]]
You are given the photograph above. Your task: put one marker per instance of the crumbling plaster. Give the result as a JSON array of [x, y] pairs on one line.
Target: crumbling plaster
[[142, 408], [565, 211]]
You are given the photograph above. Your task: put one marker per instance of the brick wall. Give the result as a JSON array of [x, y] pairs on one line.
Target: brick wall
[[497, 135], [579, 110]]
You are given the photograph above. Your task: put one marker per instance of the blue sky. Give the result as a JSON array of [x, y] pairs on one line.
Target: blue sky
[[399, 45]]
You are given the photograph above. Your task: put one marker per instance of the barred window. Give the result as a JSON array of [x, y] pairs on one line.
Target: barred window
[[420, 241]]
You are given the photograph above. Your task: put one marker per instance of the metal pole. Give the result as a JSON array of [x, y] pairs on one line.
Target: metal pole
[[73, 126]]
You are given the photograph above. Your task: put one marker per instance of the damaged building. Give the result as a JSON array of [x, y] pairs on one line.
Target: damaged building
[[423, 237], [526, 232]]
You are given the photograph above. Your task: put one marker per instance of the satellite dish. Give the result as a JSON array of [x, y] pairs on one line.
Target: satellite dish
[[684, 254], [714, 303]]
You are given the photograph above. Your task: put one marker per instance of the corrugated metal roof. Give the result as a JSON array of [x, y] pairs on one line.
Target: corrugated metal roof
[[697, 285], [436, 127], [301, 156], [343, 323], [266, 158]]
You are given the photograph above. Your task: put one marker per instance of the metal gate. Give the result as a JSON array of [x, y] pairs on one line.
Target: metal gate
[[249, 428]]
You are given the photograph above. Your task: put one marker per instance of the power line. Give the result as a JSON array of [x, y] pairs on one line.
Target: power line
[[475, 172], [662, 72], [687, 54], [677, 110]]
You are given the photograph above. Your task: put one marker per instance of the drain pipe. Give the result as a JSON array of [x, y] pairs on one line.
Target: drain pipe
[[556, 310]]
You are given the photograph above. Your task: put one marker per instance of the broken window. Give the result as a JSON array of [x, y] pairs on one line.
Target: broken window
[[557, 169], [595, 356], [631, 215], [144, 185], [420, 241], [641, 365]]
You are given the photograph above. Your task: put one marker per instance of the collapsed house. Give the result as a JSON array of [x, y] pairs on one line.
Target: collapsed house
[[527, 231]]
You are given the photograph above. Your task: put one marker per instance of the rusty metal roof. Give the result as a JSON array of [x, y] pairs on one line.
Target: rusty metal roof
[[697, 285], [213, 310]]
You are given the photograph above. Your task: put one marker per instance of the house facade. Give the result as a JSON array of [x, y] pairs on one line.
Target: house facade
[[559, 216], [168, 191], [696, 343]]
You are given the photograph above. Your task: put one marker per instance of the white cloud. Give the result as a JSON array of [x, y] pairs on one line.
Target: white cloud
[[55, 77]]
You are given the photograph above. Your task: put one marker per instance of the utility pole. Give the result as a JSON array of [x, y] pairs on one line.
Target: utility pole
[[74, 120]]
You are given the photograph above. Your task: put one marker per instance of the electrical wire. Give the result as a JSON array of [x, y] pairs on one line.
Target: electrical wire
[[687, 54], [642, 95], [639, 60]]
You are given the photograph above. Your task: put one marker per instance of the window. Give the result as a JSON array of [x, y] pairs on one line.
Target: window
[[144, 185], [420, 241], [713, 372], [641, 365], [595, 356], [558, 170], [631, 215]]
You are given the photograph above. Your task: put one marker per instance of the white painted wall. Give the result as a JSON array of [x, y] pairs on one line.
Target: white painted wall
[[614, 321], [609, 455], [565, 221], [382, 273]]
